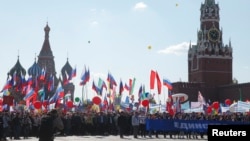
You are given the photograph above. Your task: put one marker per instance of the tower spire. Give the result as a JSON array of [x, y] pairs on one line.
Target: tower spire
[[18, 54]]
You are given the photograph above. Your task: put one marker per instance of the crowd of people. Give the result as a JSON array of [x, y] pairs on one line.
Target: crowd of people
[[22, 125]]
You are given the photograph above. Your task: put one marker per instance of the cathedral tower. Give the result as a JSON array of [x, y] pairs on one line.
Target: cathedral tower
[[210, 61], [46, 62]]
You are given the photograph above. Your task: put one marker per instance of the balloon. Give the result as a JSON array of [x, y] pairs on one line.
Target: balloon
[[37, 104], [96, 100], [145, 103], [149, 47], [1, 101], [216, 105], [70, 104], [228, 102], [77, 99], [88, 41]]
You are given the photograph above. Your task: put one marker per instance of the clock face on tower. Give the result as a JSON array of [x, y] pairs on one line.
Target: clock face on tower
[[213, 34]]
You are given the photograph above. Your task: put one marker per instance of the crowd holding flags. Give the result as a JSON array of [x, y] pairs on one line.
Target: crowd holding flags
[[105, 89]]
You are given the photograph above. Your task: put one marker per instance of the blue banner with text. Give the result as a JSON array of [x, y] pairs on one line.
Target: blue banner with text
[[200, 126]]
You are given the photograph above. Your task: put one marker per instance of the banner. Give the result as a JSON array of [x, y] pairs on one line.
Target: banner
[[199, 126], [8, 100]]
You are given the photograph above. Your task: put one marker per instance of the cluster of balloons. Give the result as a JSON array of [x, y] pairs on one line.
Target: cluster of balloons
[[38, 104], [216, 105]]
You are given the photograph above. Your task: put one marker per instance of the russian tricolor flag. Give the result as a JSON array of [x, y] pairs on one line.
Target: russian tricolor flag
[[168, 84]]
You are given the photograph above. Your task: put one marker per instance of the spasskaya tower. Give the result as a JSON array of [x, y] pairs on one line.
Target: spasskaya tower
[[210, 60]]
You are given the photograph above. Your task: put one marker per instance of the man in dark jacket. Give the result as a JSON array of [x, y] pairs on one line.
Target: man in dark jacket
[[50, 123], [122, 123]]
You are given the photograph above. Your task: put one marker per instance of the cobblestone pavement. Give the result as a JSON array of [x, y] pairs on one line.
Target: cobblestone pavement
[[109, 138]]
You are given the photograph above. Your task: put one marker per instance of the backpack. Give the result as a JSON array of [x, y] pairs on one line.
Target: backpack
[[46, 128]]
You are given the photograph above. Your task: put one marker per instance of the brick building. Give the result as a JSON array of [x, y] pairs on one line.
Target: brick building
[[210, 62]]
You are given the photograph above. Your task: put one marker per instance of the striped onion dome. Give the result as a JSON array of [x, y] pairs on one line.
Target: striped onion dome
[[66, 68], [18, 69], [35, 70]]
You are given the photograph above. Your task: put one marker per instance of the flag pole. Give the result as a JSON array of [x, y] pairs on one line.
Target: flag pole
[[82, 94], [86, 93], [164, 92], [159, 101], [240, 94]]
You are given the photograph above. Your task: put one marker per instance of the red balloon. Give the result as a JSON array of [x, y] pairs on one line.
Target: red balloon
[[216, 105], [37, 104], [145, 103], [209, 109], [228, 102], [1, 101], [70, 104], [96, 100]]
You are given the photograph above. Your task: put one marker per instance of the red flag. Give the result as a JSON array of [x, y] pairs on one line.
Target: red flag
[[152, 79], [170, 104], [159, 85]]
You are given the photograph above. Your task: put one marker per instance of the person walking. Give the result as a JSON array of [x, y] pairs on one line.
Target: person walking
[[135, 124], [121, 122], [142, 124], [17, 126], [50, 124], [6, 126]]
